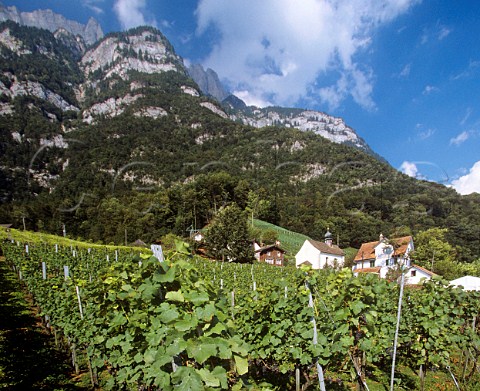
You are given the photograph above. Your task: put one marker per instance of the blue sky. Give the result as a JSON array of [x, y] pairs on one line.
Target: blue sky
[[405, 74]]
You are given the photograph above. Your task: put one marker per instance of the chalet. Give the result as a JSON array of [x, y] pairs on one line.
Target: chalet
[[319, 255], [386, 254], [272, 254]]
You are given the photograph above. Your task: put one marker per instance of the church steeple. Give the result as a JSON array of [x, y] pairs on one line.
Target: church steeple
[[329, 238]]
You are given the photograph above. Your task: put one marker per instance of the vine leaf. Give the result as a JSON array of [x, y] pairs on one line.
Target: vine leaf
[[242, 364]]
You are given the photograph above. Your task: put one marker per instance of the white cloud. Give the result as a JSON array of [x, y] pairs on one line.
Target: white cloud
[[438, 32], [131, 13], [92, 4], [460, 139], [283, 50], [423, 132], [409, 168], [471, 70], [467, 115], [250, 99], [429, 89], [405, 72], [469, 183], [443, 33], [427, 133]]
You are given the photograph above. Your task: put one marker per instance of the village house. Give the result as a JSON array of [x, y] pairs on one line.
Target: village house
[[272, 254], [319, 255], [383, 255]]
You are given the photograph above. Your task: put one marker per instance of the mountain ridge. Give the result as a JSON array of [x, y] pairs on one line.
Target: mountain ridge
[[330, 127], [49, 20], [68, 31], [143, 149]]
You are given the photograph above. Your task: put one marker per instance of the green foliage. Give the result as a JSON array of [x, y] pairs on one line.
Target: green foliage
[[227, 236], [256, 206], [185, 165], [140, 318], [269, 237], [433, 251], [228, 324], [45, 60], [289, 240]]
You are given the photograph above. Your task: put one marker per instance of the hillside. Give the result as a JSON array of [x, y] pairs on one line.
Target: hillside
[[290, 241], [123, 139]]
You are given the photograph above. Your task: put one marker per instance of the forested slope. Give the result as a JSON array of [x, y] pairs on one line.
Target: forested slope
[[137, 147]]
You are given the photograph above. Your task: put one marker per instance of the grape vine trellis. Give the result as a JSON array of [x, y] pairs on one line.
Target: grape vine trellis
[[193, 324]]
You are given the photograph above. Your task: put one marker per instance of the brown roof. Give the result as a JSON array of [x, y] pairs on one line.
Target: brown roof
[[367, 250], [368, 270], [270, 247], [325, 248], [430, 273]]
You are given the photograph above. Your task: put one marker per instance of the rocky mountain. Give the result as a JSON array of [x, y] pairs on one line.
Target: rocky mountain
[[208, 82], [118, 136], [149, 52], [332, 128], [51, 21]]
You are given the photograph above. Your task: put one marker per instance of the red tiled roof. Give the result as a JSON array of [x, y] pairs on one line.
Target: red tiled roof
[[400, 244], [375, 270], [367, 250], [325, 248]]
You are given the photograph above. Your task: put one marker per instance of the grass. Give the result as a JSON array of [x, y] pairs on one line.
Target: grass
[[41, 238], [290, 241], [293, 241]]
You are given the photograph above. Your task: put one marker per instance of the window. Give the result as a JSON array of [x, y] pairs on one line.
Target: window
[[279, 262], [413, 273], [372, 263]]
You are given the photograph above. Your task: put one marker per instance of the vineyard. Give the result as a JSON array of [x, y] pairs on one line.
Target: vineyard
[[131, 322]]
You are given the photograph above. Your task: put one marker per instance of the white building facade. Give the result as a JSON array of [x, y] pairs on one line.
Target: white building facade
[[319, 255], [381, 256]]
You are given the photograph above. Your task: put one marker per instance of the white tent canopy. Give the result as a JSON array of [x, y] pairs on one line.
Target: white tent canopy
[[469, 283]]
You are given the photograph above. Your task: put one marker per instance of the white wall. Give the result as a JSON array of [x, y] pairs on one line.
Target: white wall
[[308, 253], [318, 259], [419, 274]]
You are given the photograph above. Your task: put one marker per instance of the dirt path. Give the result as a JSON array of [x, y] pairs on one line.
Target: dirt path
[[28, 359]]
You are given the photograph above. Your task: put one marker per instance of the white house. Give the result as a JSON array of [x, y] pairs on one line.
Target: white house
[[469, 283], [319, 255], [416, 273], [385, 254]]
